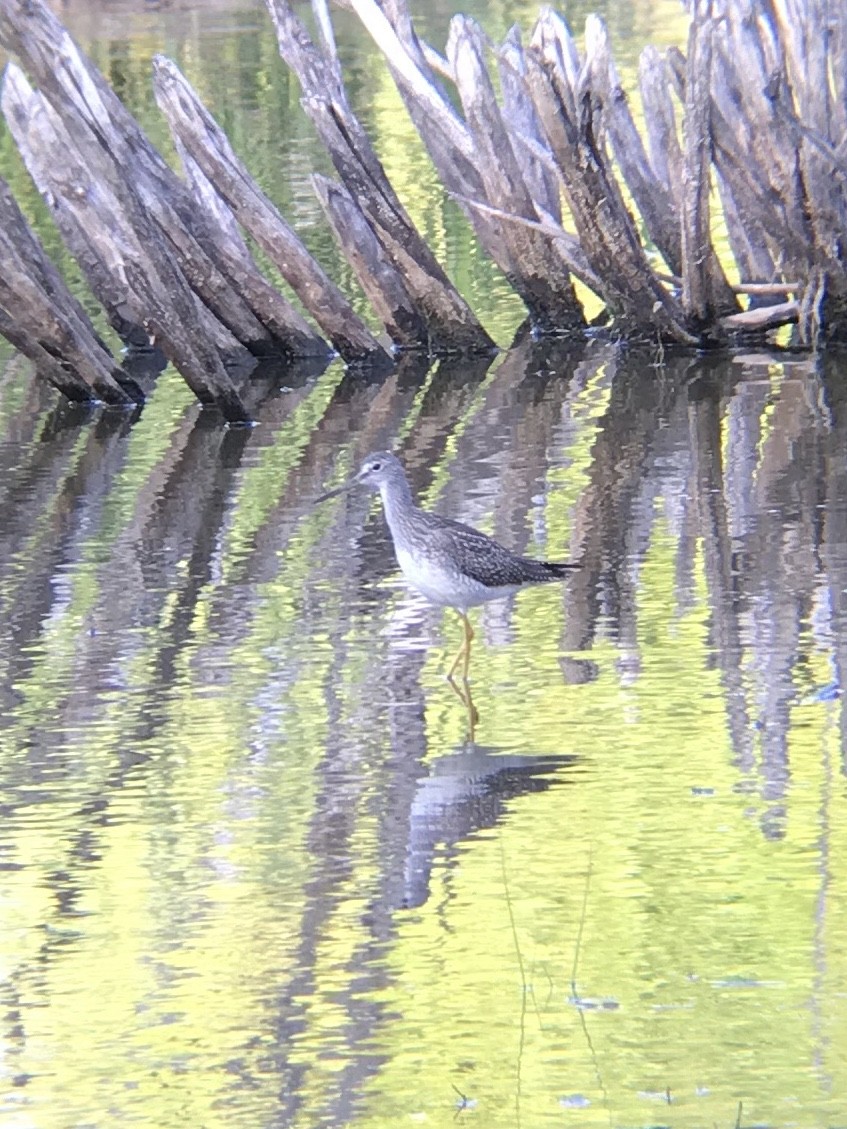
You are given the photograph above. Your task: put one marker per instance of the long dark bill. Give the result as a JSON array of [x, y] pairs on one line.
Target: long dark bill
[[334, 493]]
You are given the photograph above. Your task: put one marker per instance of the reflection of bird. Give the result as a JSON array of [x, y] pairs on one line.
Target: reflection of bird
[[462, 793], [451, 564]]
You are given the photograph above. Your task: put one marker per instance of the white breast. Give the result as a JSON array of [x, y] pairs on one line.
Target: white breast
[[446, 588], [429, 580]]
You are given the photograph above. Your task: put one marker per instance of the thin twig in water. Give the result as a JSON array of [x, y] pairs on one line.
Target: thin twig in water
[[575, 998], [464, 1100], [578, 945], [523, 983], [535, 1006]]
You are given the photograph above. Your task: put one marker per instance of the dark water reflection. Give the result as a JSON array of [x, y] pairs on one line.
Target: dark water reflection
[[253, 868]]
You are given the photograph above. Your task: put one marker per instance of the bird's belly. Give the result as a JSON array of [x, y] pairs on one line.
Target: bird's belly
[[446, 587], [435, 583]]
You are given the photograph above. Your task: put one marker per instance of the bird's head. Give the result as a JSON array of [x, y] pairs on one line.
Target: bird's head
[[375, 472], [378, 468]]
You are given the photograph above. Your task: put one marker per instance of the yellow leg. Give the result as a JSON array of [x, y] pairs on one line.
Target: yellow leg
[[464, 652], [468, 641], [463, 693]]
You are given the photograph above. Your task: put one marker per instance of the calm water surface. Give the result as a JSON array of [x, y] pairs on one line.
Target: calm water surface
[[256, 866]]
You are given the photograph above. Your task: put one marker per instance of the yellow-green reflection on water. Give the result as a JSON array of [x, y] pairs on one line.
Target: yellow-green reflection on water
[[254, 870]]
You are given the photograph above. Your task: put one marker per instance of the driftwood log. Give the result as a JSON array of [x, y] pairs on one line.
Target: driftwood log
[[536, 141]]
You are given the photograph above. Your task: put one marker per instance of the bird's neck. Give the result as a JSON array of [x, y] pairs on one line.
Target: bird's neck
[[396, 500]]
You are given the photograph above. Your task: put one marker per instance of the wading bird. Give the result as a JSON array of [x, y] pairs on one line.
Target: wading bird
[[451, 564]]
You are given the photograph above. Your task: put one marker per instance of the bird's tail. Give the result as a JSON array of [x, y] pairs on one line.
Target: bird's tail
[[558, 570]]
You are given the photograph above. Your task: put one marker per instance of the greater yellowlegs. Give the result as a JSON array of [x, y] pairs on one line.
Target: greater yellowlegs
[[451, 564]]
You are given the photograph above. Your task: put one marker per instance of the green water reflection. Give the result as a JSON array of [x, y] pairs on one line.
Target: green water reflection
[[253, 870]]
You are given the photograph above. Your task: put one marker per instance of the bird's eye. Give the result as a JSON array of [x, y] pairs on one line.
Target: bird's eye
[[376, 466]]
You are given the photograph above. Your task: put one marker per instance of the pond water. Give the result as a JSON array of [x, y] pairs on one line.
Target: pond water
[[257, 865]]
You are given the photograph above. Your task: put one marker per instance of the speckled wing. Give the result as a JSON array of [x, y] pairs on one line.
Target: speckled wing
[[483, 560]]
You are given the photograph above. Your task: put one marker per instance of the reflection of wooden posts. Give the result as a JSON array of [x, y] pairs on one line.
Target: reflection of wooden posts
[[517, 411], [450, 391], [40, 529], [705, 441], [189, 516], [786, 562], [181, 504], [611, 527], [834, 531], [593, 525], [707, 486]]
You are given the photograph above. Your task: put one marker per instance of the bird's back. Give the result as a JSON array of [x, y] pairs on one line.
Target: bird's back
[[456, 565]]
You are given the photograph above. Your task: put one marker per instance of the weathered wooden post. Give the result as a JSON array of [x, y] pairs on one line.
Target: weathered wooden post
[[205, 141], [531, 258], [450, 323], [44, 321], [107, 158], [764, 111]]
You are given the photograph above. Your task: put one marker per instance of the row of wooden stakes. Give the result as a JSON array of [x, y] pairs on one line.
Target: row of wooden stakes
[[756, 109]]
